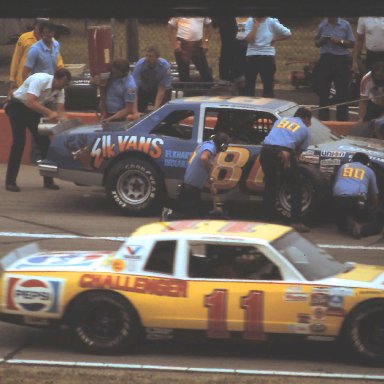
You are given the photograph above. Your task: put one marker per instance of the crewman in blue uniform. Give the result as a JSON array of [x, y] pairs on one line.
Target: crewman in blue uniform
[[152, 75], [288, 137], [355, 196], [197, 174]]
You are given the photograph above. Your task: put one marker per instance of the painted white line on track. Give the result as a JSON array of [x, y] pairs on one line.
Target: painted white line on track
[[116, 238], [84, 364]]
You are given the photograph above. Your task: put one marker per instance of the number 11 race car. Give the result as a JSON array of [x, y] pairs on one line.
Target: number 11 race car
[[217, 279]]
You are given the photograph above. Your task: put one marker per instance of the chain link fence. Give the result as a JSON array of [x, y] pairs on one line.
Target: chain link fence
[[291, 54]]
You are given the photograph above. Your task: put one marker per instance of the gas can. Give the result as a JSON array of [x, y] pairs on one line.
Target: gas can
[[100, 50]]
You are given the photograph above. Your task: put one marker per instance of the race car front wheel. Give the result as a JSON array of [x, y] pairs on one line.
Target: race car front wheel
[[314, 193], [104, 323], [134, 186], [365, 332]]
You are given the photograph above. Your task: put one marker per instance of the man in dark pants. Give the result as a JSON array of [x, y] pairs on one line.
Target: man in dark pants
[[189, 37], [355, 196], [197, 174], [232, 50], [28, 104], [334, 36], [288, 137]]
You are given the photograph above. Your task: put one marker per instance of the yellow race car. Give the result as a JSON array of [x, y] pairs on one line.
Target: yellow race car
[[223, 279]]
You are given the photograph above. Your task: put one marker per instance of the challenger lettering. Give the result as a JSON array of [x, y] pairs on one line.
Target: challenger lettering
[[159, 287]]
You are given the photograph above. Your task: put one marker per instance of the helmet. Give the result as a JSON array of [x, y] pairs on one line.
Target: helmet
[[221, 141]]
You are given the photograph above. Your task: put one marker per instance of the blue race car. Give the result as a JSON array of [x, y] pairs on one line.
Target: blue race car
[[141, 163]]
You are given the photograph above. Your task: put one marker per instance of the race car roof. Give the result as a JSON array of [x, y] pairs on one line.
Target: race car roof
[[243, 229], [260, 102]]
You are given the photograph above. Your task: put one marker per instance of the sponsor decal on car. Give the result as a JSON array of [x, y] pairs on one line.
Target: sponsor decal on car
[[304, 318], [159, 287], [60, 260], [319, 300], [159, 333], [317, 328], [118, 265], [176, 158], [335, 306], [299, 328], [333, 153], [319, 313], [104, 147], [328, 162], [341, 291], [295, 294], [32, 294], [312, 159]]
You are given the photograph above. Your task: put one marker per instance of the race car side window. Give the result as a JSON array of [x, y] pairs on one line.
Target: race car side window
[[227, 261], [247, 127], [177, 124], [162, 258]]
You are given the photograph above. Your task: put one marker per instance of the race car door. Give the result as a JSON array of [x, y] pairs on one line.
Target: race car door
[[236, 288], [238, 170]]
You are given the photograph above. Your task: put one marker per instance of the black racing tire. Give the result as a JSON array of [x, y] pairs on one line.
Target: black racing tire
[[315, 192], [364, 332], [134, 186], [104, 323]]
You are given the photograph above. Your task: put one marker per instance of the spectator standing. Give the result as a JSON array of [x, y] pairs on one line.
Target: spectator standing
[[31, 101], [118, 93], [261, 33], [355, 197], [19, 57], [44, 56], [189, 36], [371, 104], [232, 51], [334, 37], [370, 32], [152, 75], [24, 43], [279, 155]]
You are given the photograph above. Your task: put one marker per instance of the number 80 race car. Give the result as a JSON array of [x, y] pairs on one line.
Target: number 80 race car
[[217, 279], [141, 163]]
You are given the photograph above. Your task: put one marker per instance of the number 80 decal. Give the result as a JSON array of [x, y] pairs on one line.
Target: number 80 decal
[[229, 168]]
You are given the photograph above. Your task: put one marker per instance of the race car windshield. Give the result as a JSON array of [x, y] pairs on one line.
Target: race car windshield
[[311, 261]]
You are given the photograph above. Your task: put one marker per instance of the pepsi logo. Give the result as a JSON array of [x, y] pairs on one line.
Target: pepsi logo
[[32, 295]]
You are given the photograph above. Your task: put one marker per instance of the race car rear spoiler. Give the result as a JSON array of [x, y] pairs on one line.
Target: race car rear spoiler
[[11, 257]]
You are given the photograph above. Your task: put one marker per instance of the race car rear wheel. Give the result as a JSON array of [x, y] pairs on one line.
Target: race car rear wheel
[[313, 194], [104, 323], [134, 186], [365, 332]]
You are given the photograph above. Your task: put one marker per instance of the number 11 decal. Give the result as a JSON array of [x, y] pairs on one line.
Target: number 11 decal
[[252, 304]]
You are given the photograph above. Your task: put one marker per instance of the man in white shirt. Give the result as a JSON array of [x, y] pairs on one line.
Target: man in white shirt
[[31, 101], [189, 36], [370, 31], [371, 104]]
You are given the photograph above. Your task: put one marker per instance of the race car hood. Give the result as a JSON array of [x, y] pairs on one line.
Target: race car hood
[[29, 259], [372, 147], [360, 275]]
